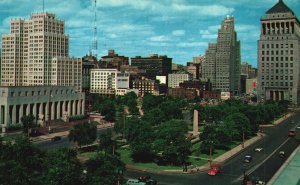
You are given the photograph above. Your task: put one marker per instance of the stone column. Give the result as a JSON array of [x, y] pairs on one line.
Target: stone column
[[74, 108], [21, 113], [27, 109], [34, 111], [82, 107], [6, 118], [41, 109], [195, 126], [69, 108], [14, 114], [63, 106], [47, 112], [52, 110], [78, 108], [58, 110]]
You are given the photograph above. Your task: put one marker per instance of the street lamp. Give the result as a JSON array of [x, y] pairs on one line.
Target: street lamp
[[119, 172]]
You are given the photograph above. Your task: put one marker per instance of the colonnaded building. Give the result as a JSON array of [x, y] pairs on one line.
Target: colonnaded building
[[279, 55], [16, 102]]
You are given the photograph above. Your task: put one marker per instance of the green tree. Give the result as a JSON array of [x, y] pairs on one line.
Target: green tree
[[83, 134], [27, 121], [108, 109], [62, 168], [240, 124], [150, 101], [171, 142], [106, 142], [20, 162], [141, 143], [104, 170], [209, 139]]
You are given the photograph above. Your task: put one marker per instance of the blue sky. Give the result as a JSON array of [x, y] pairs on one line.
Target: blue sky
[[180, 29]]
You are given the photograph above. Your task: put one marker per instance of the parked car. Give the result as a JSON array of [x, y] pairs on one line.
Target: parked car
[[248, 159], [147, 179], [134, 182], [214, 170], [144, 178], [258, 149]]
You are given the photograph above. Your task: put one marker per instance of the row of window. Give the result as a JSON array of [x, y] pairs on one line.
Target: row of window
[[34, 93], [276, 64], [286, 84], [276, 52], [277, 46], [277, 59]]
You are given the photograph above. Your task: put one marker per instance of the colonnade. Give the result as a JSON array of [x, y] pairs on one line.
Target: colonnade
[[278, 28], [12, 114]]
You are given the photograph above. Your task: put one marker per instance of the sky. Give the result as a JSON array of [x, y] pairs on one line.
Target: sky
[[180, 29]]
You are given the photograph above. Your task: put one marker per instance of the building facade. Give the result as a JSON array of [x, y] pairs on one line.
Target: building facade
[[223, 60], [113, 61], [248, 70], [88, 62], [146, 86], [154, 65], [175, 79], [279, 55], [39, 101], [31, 50], [107, 81]]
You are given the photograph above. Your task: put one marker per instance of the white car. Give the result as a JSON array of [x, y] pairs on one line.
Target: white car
[[258, 149]]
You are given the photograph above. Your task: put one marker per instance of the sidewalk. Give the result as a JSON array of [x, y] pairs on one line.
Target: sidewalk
[[228, 155], [289, 171]]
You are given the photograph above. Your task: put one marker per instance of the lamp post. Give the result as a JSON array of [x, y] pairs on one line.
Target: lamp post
[[119, 172]]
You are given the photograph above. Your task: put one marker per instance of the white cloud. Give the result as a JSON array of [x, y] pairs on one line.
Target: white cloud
[[191, 44], [208, 10], [159, 38], [178, 32]]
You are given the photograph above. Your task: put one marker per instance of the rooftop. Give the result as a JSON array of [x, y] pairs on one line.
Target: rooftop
[[280, 7]]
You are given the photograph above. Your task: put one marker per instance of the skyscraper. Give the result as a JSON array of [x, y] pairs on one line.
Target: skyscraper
[[223, 60], [36, 52], [278, 55]]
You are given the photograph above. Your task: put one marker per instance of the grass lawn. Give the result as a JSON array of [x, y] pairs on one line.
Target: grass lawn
[[195, 159], [126, 158]]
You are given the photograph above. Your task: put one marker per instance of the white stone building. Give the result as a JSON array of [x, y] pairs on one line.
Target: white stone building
[[16, 102], [175, 79], [107, 81], [36, 51]]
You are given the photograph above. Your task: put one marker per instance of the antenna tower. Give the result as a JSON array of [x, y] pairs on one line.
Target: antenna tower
[[95, 42]]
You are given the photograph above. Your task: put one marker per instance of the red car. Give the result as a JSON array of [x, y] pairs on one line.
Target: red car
[[292, 133], [214, 170]]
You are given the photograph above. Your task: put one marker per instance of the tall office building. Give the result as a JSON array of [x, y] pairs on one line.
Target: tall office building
[[278, 55], [223, 60], [36, 52]]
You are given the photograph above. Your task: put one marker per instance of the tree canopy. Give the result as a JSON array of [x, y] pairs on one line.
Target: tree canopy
[[83, 134]]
